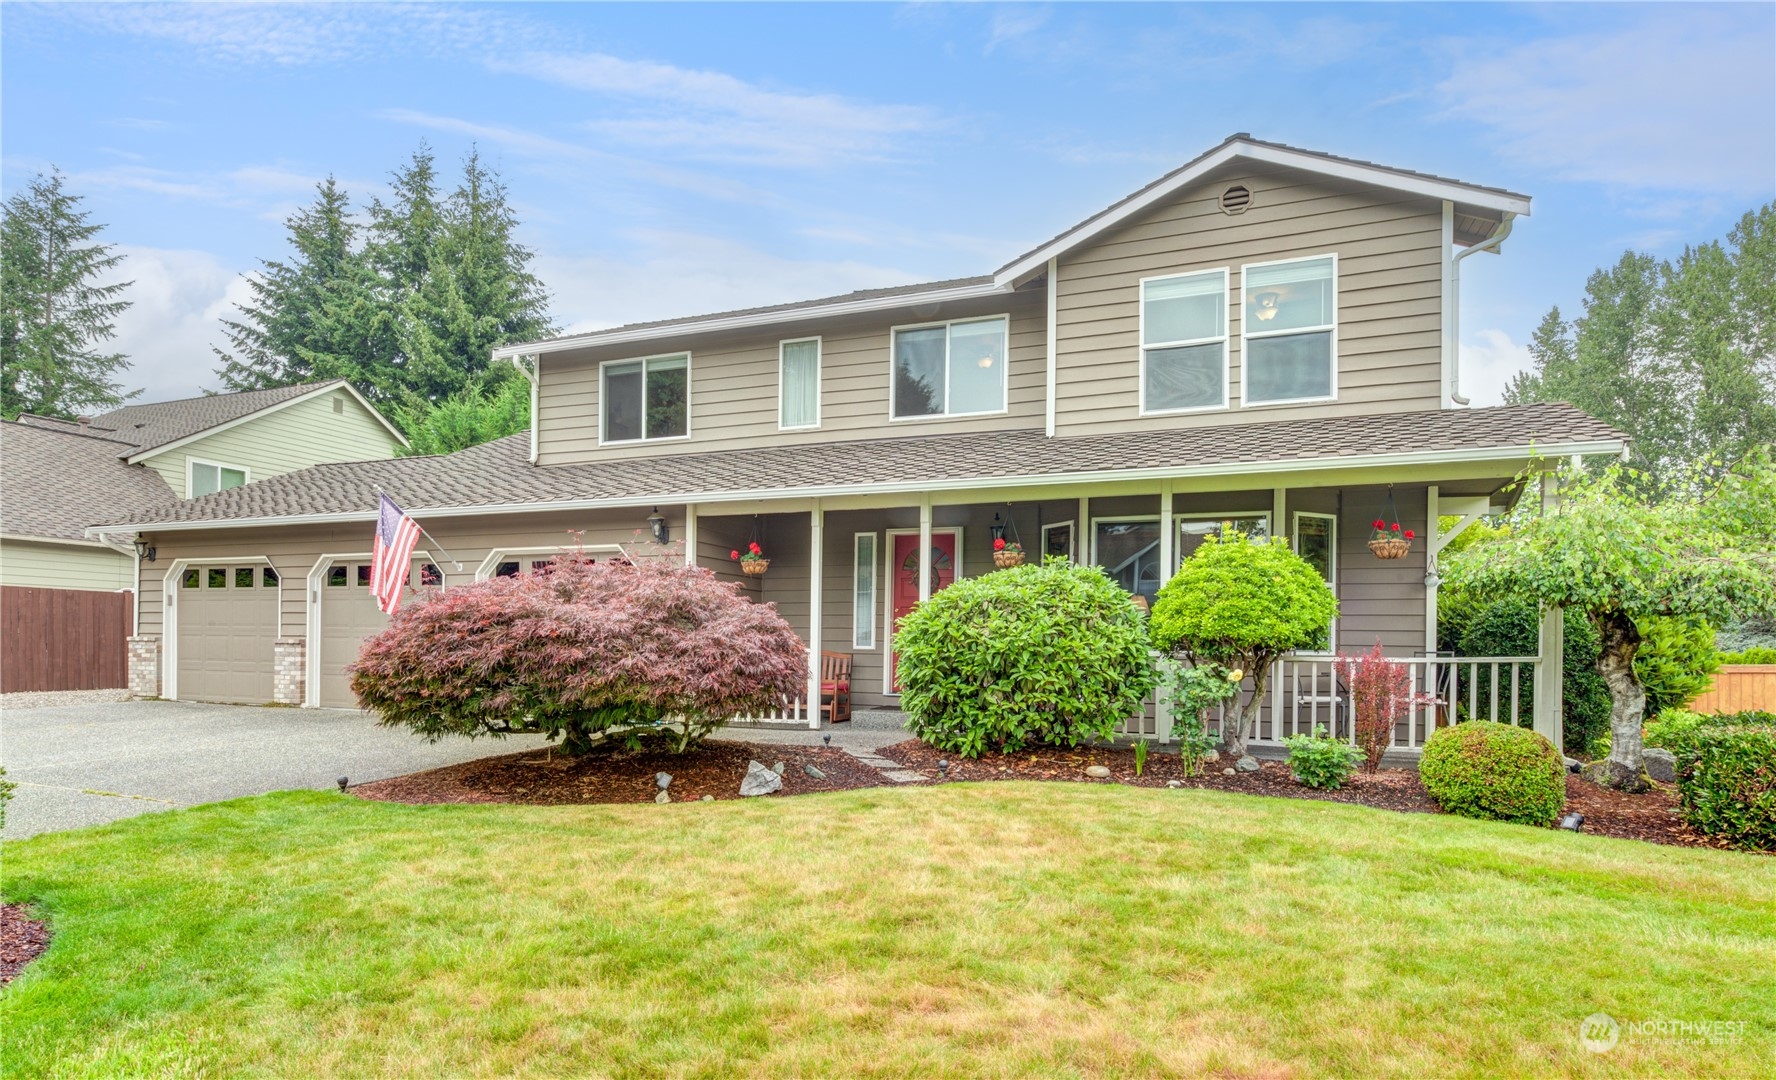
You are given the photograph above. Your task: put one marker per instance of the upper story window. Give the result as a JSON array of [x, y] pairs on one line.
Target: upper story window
[[1290, 330], [208, 477], [798, 384], [646, 399], [1184, 342], [949, 369]]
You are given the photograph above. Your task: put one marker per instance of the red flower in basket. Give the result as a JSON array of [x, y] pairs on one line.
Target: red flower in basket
[[999, 544], [733, 554], [1380, 525], [1410, 534], [752, 554], [1396, 526]]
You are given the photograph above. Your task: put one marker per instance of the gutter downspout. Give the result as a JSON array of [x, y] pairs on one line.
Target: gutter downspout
[[1491, 243], [533, 372], [129, 549]]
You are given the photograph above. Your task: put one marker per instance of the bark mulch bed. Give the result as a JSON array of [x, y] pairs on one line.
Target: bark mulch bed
[[545, 778], [22, 940], [1652, 817]]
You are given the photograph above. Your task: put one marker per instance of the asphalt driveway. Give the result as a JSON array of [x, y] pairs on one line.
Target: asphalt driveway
[[84, 764]]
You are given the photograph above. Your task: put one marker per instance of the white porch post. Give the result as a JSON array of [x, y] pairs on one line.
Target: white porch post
[[1432, 577], [1082, 533], [1551, 648], [690, 534], [925, 547], [816, 579], [1168, 540]]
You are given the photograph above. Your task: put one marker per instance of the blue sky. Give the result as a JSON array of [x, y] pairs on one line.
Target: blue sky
[[677, 158]]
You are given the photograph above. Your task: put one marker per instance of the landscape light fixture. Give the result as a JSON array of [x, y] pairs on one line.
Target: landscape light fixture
[[657, 526], [342, 782], [1573, 823]]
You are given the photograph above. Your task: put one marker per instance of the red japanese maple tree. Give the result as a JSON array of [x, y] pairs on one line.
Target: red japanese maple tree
[[583, 651], [1380, 689]]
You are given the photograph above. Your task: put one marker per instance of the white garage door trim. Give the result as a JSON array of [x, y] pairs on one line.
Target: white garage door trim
[[169, 593], [317, 576], [500, 555]]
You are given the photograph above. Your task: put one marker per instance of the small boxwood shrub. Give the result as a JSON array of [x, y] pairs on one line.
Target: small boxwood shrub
[[1726, 783], [1047, 655], [1320, 761], [1480, 769], [1757, 654]]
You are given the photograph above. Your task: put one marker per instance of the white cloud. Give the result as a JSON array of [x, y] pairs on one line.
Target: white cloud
[[1682, 100], [1014, 23], [714, 115], [1488, 361], [177, 301]]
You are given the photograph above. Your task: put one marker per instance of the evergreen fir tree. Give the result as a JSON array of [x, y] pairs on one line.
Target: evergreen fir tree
[[53, 314]]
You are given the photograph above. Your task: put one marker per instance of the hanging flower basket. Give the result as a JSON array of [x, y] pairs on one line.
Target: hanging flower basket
[[1007, 554], [752, 561], [1390, 541]]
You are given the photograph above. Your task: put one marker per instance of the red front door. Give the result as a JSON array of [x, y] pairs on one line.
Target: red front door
[[904, 566]]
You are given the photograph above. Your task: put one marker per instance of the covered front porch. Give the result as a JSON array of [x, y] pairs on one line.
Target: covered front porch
[[843, 568]]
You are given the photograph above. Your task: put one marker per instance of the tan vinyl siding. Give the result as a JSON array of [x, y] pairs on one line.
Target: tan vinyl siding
[[734, 385], [64, 566], [1389, 250], [295, 437]]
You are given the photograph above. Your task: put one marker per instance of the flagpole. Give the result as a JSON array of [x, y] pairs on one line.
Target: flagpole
[[422, 531]]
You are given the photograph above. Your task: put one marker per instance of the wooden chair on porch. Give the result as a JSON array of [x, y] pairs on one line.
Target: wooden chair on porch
[[835, 687]]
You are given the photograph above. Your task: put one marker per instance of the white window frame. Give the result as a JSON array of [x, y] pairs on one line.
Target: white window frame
[[1004, 374], [1180, 518], [1332, 550], [191, 464], [604, 399], [1128, 519], [506, 554], [1247, 334], [819, 378], [1072, 540], [861, 621], [1224, 338]]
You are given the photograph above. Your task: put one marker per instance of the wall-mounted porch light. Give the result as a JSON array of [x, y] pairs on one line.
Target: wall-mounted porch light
[[657, 526], [144, 551]]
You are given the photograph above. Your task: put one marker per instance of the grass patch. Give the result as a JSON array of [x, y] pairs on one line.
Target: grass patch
[[997, 929]]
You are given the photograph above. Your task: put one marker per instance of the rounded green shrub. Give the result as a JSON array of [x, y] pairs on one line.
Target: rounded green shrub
[[1480, 769], [1047, 655], [1726, 783]]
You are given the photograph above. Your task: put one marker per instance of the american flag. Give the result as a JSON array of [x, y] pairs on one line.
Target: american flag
[[396, 534]]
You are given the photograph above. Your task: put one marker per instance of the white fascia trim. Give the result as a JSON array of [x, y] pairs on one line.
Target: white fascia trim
[[325, 388], [1100, 476], [1374, 175], [739, 322], [97, 542]]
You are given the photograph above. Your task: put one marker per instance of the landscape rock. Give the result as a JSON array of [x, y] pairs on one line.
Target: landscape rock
[[759, 781], [1226, 772], [662, 780], [778, 768], [1211, 755], [1174, 783], [663, 797], [814, 771], [1661, 765], [707, 798], [1100, 772], [1248, 764]]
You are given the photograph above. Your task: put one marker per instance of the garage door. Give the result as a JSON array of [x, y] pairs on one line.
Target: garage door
[[227, 620], [348, 616]]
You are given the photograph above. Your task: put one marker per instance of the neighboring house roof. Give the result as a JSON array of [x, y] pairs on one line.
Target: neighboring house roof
[[497, 477], [55, 482], [159, 426], [1479, 208]]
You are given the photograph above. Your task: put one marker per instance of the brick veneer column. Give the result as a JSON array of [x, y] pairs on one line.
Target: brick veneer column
[[289, 670], [144, 666]]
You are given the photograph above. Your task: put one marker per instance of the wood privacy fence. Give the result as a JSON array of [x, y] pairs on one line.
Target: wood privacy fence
[[63, 639], [1738, 688]]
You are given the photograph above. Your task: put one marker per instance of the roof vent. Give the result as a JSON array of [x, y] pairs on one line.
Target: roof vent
[[1235, 199]]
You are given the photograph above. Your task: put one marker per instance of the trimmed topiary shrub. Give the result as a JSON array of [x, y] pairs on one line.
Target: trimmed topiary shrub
[[1048, 655], [1480, 769], [1726, 783]]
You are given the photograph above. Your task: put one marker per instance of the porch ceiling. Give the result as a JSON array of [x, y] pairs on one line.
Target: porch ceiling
[[498, 477]]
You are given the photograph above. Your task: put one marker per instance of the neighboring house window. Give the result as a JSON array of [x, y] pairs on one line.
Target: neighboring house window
[[1316, 541], [647, 399], [1184, 342], [1289, 330], [798, 383], [207, 478], [863, 591], [950, 369]]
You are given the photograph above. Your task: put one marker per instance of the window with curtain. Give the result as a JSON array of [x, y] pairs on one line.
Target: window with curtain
[[1184, 342], [647, 399], [208, 479], [798, 384], [1291, 313], [950, 370], [863, 578]]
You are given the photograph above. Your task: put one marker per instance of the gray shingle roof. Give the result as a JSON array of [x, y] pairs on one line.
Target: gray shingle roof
[[499, 474], [144, 427], [54, 482]]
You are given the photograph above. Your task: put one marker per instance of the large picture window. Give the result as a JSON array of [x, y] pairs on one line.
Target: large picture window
[[1289, 330], [950, 369], [1184, 342], [647, 399], [1193, 528], [207, 477], [798, 384]]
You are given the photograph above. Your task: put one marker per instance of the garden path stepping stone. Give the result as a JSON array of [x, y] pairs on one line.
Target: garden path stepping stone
[[893, 770]]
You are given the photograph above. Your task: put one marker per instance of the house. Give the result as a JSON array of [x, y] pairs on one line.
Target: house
[[1264, 336], [67, 593]]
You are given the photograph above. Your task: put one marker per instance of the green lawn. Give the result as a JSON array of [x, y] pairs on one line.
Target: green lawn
[[1000, 929]]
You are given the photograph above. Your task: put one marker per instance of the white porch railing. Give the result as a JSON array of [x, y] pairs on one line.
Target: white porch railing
[[1305, 693], [794, 710]]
